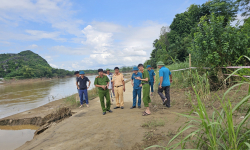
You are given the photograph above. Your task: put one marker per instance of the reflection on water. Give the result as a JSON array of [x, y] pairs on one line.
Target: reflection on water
[[22, 97], [12, 137]]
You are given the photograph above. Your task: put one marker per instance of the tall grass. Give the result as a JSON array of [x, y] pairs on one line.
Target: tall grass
[[218, 130]]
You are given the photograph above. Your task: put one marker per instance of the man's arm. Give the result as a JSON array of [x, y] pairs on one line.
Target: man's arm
[[132, 82], [171, 78], [108, 81], [146, 79], [123, 82], [89, 83], [161, 80], [77, 85], [154, 78]]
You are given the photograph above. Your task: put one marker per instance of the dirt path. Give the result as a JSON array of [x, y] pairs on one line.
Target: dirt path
[[89, 129]]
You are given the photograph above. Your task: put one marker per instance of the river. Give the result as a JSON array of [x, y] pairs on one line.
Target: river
[[16, 98]]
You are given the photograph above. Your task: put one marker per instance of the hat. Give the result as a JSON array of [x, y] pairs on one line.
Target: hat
[[135, 69], [100, 70], [81, 72], [160, 63], [116, 68], [107, 69], [148, 66]]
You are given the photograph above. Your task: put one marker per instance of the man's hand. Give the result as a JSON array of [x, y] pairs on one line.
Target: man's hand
[[138, 78], [88, 87], [171, 80], [133, 84], [124, 88], [140, 85], [154, 82], [103, 86], [160, 86], [78, 88]]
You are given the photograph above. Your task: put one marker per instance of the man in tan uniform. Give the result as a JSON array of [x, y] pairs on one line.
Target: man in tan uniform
[[119, 87]]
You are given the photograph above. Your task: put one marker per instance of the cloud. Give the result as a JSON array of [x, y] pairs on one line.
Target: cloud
[[48, 58], [108, 45], [33, 46], [100, 41], [58, 13], [54, 66]]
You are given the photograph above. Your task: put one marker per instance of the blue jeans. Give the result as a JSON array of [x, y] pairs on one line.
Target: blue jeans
[[83, 93], [152, 86], [79, 95], [135, 93]]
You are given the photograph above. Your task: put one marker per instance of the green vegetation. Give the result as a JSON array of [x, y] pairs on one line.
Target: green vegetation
[[27, 64], [226, 127], [205, 31], [74, 100]]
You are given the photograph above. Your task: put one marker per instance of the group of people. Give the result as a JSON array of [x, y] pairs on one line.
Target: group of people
[[109, 84]]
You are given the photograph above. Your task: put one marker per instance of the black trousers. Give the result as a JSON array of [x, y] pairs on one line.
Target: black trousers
[[167, 94]]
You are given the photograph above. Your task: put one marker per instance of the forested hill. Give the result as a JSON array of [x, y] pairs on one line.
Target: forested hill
[[28, 64]]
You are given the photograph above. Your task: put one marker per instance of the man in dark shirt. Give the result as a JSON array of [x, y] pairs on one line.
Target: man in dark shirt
[[82, 87], [78, 76]]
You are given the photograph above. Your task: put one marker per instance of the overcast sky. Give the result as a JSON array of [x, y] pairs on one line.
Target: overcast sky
[[86, 34]]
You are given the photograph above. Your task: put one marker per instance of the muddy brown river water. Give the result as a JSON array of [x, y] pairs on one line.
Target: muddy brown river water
[[16, 98]]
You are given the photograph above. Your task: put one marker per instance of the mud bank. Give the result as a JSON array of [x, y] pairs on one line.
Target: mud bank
[[43, 123], [21, 81]]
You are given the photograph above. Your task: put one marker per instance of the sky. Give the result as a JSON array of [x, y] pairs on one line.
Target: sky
[[86, 34]]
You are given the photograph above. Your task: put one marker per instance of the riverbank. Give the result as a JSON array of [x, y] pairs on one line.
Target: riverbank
[[22, 81]]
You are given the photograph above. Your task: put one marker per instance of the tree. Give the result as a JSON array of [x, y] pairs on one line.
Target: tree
[[245, 4], [226, 8], [216, 45]]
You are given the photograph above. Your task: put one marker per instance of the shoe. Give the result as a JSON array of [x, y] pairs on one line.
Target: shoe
[[165, 102], [116, 107], [104, 113], [167, 106], [110, 111], [139, 106], [122, 107], [132, 107]]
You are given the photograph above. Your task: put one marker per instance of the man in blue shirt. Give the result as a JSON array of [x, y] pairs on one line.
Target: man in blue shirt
[[164, 85], [152, 78], [136, 87]]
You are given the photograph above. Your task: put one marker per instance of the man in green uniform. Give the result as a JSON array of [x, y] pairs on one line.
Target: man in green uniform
[[102, 82], [146, 89]]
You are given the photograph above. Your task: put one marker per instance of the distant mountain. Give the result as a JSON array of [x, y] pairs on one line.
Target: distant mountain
[[27, 64]]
